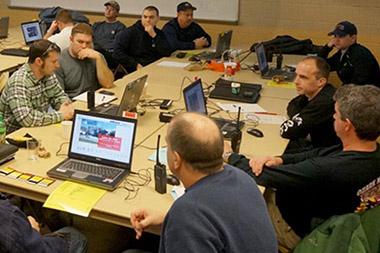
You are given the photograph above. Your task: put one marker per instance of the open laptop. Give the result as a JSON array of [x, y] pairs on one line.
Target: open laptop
[[31, 31], [195, 102], [269, 73], [129, 101], [223, 44], [100, 152], [4, 27]]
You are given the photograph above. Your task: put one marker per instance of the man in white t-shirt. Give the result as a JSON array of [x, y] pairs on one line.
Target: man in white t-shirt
[[64, 22]]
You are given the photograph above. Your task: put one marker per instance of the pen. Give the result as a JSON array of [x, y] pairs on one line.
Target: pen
[[104, 97], [267, 113]]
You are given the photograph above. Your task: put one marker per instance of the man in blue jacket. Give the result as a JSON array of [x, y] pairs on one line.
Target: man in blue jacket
[[183, 33], [142, 43]]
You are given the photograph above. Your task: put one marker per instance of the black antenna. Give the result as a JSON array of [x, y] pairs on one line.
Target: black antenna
[[158, 151], [238, 119]]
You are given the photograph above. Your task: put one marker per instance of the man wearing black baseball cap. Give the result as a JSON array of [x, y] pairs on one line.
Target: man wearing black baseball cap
[[353, 62], [183, 33]]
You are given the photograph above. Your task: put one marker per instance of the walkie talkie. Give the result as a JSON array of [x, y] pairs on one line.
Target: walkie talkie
[[159, 172], [236, 135]]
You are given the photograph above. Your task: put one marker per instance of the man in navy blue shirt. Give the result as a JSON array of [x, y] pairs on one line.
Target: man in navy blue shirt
[[183, 33], [222, 209]]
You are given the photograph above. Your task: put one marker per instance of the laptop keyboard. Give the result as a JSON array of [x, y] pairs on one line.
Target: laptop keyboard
[[15, 52], [93, 169]]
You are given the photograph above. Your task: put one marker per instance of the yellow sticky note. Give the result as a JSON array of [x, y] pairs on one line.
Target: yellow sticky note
[[74, 198], [15, 174], [288, 85], [46, 182], [6, 171]]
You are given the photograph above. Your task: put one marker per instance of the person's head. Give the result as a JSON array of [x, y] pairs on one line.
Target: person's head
[[185, 14], [312, 74], [43, 55], [81, 38], [194, 142], [150, 16], [63, 18], [345, 34], [357, 109], [112, 9]]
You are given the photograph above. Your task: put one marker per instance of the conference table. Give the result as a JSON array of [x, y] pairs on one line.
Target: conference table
[[165, 83], [14, 40]]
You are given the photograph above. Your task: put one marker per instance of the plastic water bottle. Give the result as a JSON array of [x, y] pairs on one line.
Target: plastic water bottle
[[3, 130]]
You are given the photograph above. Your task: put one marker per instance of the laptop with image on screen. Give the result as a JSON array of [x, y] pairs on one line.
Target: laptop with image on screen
[[265, 70], [195, 102], [129, 101], [4, 27], [223, 43], [100, 151], [31, 31]]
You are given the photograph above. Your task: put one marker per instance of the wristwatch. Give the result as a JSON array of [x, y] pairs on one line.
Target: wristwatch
[[226, 155]]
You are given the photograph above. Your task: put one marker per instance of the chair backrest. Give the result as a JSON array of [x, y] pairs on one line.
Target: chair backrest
[[3, 80]]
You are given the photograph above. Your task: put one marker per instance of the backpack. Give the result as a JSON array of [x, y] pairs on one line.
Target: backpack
[[47, 16]]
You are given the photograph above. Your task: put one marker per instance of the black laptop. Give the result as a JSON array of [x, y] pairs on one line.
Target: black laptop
[[129, 101], [249, 92], [223, 44], [269, 73], [4, 26], [32, 32], [100, 152], [195, 102]]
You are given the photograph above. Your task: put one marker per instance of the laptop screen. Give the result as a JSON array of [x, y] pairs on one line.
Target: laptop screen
[[31, 31], [194, 98], [102, 138], [262, 60]]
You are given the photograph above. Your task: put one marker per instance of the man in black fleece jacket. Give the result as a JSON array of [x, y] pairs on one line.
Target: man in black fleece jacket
[[142, 43], [311, 123], [314, 185], [183, 33]]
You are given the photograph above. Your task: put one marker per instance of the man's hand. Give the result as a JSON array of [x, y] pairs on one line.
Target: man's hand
[[200, 42], [67, 110], [142, 219], [331, 43], [88, 53], [257, 163], [34, 223], [150, 30], [53, 27]]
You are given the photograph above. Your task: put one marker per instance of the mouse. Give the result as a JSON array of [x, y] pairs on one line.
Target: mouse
[[255, 132], [180, 54], [172, 180]]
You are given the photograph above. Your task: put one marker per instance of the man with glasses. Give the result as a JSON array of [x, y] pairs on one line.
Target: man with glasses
[[183, 33], [353, 62], [33, 89]]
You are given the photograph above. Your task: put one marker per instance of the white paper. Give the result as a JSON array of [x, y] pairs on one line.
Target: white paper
[[173, 64], [271, 119], [244, 108], [99, 98], [162, 156]]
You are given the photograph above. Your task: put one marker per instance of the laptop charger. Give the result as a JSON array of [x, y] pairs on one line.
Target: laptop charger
[[165, 117]]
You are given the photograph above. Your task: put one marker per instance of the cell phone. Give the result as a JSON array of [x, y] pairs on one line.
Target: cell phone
[[106, 92], [166, 103]]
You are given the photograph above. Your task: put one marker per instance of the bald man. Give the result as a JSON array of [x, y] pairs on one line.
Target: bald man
[[221, 211]]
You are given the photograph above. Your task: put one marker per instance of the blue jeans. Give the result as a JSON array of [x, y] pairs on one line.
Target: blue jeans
[[76, 240]]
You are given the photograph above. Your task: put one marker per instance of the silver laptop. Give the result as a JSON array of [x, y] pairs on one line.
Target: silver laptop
[[195, 102], [129, 101], [100, 152], [4, 27], [223, 44], [269, 73]]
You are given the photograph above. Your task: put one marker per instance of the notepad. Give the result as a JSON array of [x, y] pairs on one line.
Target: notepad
[[99, 98]]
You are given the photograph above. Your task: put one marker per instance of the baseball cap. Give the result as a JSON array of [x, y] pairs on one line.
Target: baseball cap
[[114, 5], [343, 28], [185, 6]]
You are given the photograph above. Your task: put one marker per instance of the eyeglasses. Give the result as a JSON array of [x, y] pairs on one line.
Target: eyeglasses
[[51, 47]]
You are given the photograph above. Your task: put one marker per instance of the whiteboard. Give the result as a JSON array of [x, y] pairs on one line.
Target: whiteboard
[[218, 10]]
